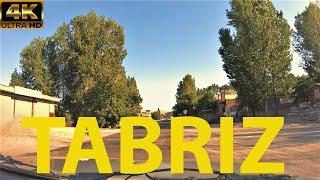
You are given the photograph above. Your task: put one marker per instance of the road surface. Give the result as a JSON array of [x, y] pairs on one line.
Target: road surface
[[297, 145]]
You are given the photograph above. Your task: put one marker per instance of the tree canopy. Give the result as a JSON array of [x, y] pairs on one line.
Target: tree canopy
[[186, 96], [307, 39], [195, 100], [16, 79], [303, 89], [257, 56], [83, 64], [156, 115]]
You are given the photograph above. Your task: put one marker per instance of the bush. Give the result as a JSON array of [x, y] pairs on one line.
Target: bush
[[156, 115]]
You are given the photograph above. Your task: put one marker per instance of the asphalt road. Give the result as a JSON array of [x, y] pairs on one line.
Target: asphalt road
[[297, 145]]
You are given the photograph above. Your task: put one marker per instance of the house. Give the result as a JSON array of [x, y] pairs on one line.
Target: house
[[145, 112], [227, 106], [17, 102], [228, 99]]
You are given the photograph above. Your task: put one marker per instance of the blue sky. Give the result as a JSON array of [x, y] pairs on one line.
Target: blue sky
[[165, 41]]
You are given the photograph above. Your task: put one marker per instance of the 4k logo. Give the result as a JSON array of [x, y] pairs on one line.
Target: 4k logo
[[21, 14]]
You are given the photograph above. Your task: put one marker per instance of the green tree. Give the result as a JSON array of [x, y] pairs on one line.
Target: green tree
[[235, 67], [307, 39], [195, 100], [35, 71], [207, 106], [83, 64], [106, 101], [226, 87], [186, 96], [16, 79], [134, 96], [213, 89], [257, 57], [156, 115], [207, 102], [303, 89], [288, 86]]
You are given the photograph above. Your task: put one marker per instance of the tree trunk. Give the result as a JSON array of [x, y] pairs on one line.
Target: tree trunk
[[275, 105], [266, 107], [254, 112]]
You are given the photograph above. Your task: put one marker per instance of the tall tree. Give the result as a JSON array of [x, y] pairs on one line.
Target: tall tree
[[35, 70], [91, 51], [135, 98], [83, 64], [307, 39], [257, 57], [186, 96]]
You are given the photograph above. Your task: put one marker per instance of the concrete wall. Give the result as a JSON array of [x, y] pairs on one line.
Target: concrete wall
[[52, 108], [23, 108], [16, 102], [6, 109], [41, 109]]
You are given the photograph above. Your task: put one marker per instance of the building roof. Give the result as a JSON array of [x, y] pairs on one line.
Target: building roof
[[17, 90]]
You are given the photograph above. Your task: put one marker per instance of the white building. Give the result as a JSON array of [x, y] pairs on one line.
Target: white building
[[145, 112], [17, 102]]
